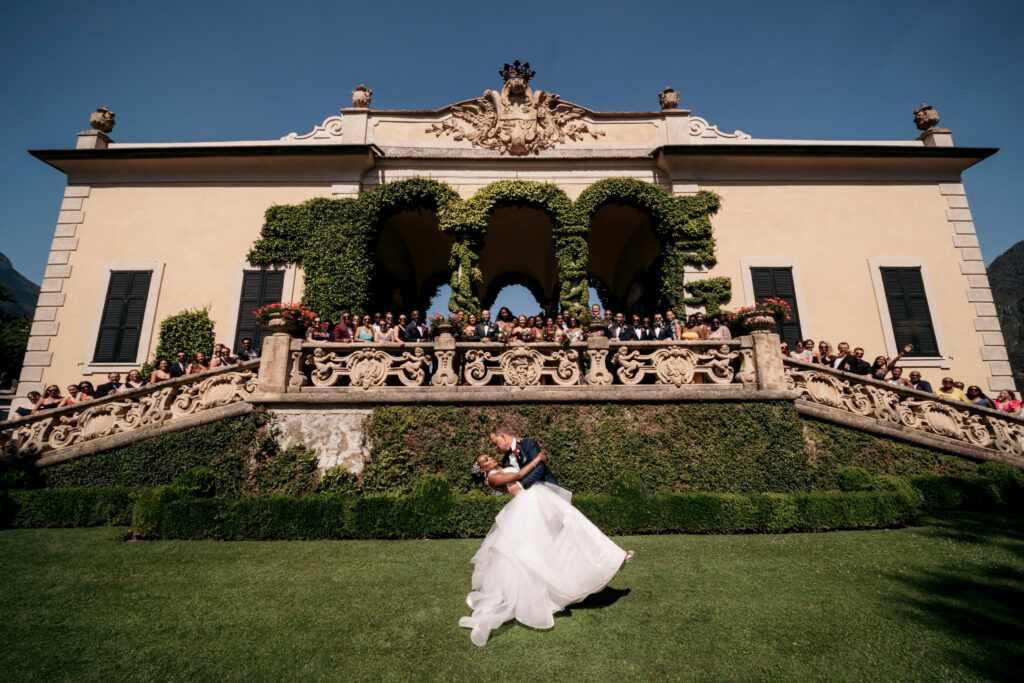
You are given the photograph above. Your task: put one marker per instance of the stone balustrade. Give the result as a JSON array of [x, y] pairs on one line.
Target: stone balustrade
[[446, 363], [916, 416], [61, 433]]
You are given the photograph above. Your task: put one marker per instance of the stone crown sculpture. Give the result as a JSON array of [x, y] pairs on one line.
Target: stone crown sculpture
[[517, 120], [102, 120]]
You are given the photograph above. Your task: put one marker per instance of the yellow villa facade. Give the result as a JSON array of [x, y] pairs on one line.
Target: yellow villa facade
[[851, 232]]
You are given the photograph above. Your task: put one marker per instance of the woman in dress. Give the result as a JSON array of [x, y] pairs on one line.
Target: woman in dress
[[198, 364], [51, 399], [1006, 403], [86, 391], [883, 366], [365, 331], [522, 325], [469, 331], [825, 356], [978, 397], [690, 331], [541, 555], [505, 322], [575, 332], [133, 381], [388, 333], [162, 371], [72, 398]]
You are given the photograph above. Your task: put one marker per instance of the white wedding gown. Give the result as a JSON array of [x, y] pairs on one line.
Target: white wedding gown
[[541, 555]]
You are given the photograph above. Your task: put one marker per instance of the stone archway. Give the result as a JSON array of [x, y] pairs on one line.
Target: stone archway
[[623, 252], [506, 279], [411, 255]]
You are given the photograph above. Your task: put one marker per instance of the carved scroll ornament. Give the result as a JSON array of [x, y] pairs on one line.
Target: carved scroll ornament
[[523, 366], [905, 409], [518, 120], [675, 365], [368, 367]]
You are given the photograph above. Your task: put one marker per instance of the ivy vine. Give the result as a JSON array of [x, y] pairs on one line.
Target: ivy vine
[[334, 238]]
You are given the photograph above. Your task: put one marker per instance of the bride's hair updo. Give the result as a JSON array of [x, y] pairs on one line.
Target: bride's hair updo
[[478, 474]]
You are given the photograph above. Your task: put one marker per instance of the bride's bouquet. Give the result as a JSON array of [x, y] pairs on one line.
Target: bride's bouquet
[[551, 333], [504, 337], [529, 335]]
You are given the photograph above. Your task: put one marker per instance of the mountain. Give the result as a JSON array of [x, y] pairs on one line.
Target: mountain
[[24, 291], [1006, 276]]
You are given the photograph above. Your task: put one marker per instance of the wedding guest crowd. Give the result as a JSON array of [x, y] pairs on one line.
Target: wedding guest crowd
[[164, 369]]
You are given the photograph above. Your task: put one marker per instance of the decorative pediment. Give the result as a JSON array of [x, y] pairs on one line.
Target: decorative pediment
[[518, 120], [700, 128]]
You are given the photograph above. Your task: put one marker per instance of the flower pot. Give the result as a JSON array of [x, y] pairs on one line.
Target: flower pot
[[598, 326], [282, 325], [759, 324], [443, 328]]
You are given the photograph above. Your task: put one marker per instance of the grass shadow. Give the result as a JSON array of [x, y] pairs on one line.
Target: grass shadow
[[980, 606]]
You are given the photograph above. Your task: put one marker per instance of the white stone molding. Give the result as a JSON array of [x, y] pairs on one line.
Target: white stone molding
[[798, 285], [875, 265], [231, 324], [700, 128], [146, 331], [328, 131]]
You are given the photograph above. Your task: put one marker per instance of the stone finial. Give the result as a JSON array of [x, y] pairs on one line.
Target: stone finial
[[926, 118], [669, 98], [361, 97], [102, 120]]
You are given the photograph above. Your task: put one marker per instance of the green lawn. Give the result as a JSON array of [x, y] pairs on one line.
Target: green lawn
[[944, 600]]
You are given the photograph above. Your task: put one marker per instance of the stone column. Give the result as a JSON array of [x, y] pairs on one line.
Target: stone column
[[446, 374], [274, 363], [597, 350], [768, 361]]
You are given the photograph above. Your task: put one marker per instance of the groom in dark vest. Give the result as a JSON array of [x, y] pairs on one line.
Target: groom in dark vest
[[520, 451]]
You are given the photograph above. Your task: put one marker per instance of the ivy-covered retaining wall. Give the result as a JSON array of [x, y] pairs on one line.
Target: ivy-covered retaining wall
[[334, 238], [702, 447]]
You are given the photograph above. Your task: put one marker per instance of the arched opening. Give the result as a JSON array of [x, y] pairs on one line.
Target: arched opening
[[624, 259], [411, 260], [517, 298], [519, 249]]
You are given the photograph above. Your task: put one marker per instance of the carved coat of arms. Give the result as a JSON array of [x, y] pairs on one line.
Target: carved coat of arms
[[518, 120]]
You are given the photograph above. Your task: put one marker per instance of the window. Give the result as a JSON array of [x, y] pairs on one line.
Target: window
[[259, 288], [909, 313], [778, 283], [121, 322]]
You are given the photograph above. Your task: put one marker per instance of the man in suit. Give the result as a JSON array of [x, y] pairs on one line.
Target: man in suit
[[485, 331], [180, 365], [848, 362], [920, 384], [247, 352], [112, 385], [415, 331], [620, 331], [659, 330], [522, 451]]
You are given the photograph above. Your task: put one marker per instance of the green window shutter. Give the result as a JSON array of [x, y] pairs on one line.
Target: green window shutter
[[908, 310], [259, 288], [778, 283], [123, 312]]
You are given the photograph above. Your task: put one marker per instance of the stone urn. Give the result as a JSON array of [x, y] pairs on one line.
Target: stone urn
[[759, 324], [361, 97], [281, 325], [443, 328]]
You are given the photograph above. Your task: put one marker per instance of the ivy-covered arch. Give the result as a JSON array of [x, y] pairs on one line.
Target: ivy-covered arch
[[682, 226], [470, 219], [334, 238]]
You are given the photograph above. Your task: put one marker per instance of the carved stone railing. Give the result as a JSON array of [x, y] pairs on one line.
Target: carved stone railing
[[445, 363], [91, 426], [916, 416]]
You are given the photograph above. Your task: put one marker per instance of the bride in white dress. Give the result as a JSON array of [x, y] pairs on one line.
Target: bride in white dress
[[540, 555]]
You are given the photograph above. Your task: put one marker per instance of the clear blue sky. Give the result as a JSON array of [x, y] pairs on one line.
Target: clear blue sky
[[199, 71]]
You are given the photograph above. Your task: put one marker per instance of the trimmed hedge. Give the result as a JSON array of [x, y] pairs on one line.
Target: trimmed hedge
[[433, 511], [70, 507]]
